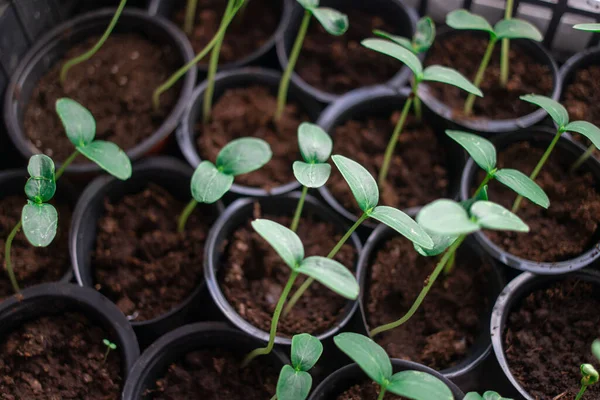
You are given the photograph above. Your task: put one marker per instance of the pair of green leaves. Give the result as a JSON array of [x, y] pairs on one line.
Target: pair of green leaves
[[421, 41], [505, 29], [489, 395], [332, 20], [291, 250], [374, 361], [315, 147], [294, 380], [109, 344]]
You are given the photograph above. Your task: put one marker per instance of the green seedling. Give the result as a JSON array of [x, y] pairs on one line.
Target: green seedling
[[294, 380], [561, 118], [489, 395], [190, 16], [505, 29], [109, 346], [589, 377], [334, 22], [505, 53], [374, 361], [328, 272], [210, 182], [433, 73]]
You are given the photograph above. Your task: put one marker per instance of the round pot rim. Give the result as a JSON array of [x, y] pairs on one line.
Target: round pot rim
[[36, 54], [573, 63]]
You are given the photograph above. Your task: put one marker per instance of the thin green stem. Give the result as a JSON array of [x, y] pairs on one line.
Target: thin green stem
[[480, 74], [450, 264], [581, 392], [65, 164], [7, 262], [190, 16], [274, 321], [299, 207], [88, 54], [505, 56], [381, 393], [588, 153], [187, 211], [430, 281], [418, 108], [106, 355], [485, 181], [287, 74]]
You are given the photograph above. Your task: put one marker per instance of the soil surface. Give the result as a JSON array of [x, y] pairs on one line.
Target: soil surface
[[464, 53], [549, 335], [417, 174], [568, 227], [251, 28], [32, 265], [116, 85], [252, 277], [59, 357], [141, 262], [249, 112], [448, 322], [581, 98], [214, 375], [367, 390], [338, 64]]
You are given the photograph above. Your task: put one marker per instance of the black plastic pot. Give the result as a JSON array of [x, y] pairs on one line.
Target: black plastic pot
[[186, 134], [404, 19], [168, 173], [50, 48], [484, 125], [570, 150], [154, 362], [579, 61], [350, 375]]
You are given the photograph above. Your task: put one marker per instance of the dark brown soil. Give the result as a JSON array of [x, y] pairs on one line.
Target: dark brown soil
[[249, 112], [116, 85], [581, 98], [568, 227], [59, 357], [464, 53], [338, 64], [214, 375], [549, 335], [250, 29], [141, 262], [417, 174], [368, 390], [447, 324], [252, 277], [32, 265]]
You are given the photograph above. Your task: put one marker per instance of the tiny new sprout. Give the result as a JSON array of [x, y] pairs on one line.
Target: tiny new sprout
[[334, 22], [210, 182], [561, 117], [505, 29], [109, 346], [589, 377], [374, 361], [294, 380], [489, 395]]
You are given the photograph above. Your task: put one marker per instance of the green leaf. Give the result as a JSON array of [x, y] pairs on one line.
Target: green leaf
[[283, 240], [556, 111], [331, 274], [311, 175], [596, 349], [424, 35], [489, 395], [306, 351], [586, 129], [523, 185], [493, 216], [79, 123], [109, 157], [292, 384], [403, 224], [446, 217], [208, 185], [315, 144], [332, 20], [41, 166], [481, 150], [482, 195], [517, 29], [244, 155], [40, 190], [396, 51], [39, 223], [440, 244], [361, 182], [308, 4], [419, 385], [473, 396], [399, 40], [588, 27], [436, 73], [369, 356], [465, 20]]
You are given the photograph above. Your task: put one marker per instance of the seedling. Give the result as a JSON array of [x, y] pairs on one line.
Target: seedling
[[334, 22], [505, 29], [489, 395], [589, 377], [109, 346], [328, 272], [210, 182], [433, 73], [374, 361], [294, 380], [561, 118]]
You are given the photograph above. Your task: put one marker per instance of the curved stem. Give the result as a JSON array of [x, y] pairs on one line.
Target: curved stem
[[7, 262], [430, 281], [381, 393], [485, 181], [389, 151], [88, 54], [299, 207], [65, 164], [505, 56], [581, 392], [287, 74], [588, 153], [190, 16], [480, 74], [187, 211], [106, 355]]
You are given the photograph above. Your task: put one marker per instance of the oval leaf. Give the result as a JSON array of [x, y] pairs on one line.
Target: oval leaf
[[424, 35], [403, 224], [109, 157], [419, 385], [596, 349], [315, 144], [523, 185], [436, 73], [447, 218], [361, 182], [369, 356], [399, 40], [79, 123], [556, 111], [331, 274], [396, 51], [292, 384], [41, 166], [481, 150], [440, 244], [244, 155], [493, 216], [489, 395], [517, 29], [306, 351], [586, 129], [473, 396], [208, 184], [40, 190], [284, 241], [311, 175], [595, 27], [39, 223], [465, 20], [332, 20], [308, 4]]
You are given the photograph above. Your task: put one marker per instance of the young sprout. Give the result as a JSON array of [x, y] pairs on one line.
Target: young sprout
[[590, 377], [433, 73], [109, 346], [190, 16], [334, 22], [561, 117], [328, 272], [90, 53], [505, 29], [315, 147], [210, 182], [505, 53], [489, 395], [374, 361], [294, 380]]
